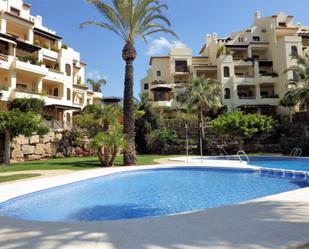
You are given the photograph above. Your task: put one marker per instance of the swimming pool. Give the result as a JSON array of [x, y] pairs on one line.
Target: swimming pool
[[291, 163], [144, 193]]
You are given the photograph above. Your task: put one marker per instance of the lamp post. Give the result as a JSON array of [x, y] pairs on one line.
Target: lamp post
[[201, 143], [187, 143]]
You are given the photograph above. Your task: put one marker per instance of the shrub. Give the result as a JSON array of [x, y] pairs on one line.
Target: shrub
[[45, 45], [27, 105], [37, 43], [241, 126], [64, 46], [159, 140], [54, 48]]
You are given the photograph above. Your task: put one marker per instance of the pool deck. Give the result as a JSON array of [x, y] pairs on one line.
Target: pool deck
[[277, 221]]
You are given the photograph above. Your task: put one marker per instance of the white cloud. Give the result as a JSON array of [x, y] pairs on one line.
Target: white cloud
[[162, 45], [96, 75]]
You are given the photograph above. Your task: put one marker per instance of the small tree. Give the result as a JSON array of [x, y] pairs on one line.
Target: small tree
[[96, 85], [101, 123], [16, 122], [241, 126]]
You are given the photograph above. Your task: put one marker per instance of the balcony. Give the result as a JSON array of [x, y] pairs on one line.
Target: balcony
[[23, 93], [5, 61], [31, 68], [55, 75], [244, 79], [162, 104], [49, 53]]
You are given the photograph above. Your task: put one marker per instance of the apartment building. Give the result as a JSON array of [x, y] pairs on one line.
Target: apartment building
[[35, 64], [249, 64]]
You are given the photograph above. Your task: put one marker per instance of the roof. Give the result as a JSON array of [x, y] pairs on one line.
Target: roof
[[47, 34], [63, 107], [201, 51], [18, 17]]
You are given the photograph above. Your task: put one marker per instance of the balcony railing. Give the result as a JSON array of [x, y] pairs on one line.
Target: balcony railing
[[273, 96], [245, 97], [238, 75], [59, 124], [55, 71], [181, 69], [4, 57]]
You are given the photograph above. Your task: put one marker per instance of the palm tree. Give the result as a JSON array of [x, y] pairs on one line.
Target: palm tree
[[96, 85], [130, 19], [299, 91], [202, 96], [289, 100]]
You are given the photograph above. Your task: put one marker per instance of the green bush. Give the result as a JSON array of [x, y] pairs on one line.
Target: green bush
[[241, 126], [64, 46], [54, 48], [287, 143], [159, 140], [27, 105]]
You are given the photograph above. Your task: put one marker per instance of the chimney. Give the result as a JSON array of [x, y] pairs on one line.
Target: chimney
[[257, 14]]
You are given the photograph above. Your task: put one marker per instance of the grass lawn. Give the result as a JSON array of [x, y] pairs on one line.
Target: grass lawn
[[16, 177], [73, 163]]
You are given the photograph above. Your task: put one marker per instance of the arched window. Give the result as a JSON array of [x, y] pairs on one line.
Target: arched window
[[294, 51], [56, 92], [226, 72], [68, 69], [227, 93]]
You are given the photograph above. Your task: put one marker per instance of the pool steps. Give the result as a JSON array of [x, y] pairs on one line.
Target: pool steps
[[282, 173]]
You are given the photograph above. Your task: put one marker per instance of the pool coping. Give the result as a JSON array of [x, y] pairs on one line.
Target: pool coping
[[12, 190]]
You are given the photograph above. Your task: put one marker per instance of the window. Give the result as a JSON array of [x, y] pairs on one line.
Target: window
[[256, 57], [282, 24], [295, 76], [227, 93], [68, 69], [294, 51], [256, 38], [68, 94], [240, 39], [15, 11], [158, 73], [226, 71], [146, 86], [56, 92], [181, 66]]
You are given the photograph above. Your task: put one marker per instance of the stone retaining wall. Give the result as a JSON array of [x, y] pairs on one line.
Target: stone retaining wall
[[38, 147]]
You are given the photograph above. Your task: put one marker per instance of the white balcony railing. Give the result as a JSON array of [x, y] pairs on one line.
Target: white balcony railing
[[26, 66], [50, 53]]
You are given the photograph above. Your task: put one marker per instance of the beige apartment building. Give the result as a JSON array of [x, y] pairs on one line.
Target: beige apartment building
[[251, 70], [35, 64]]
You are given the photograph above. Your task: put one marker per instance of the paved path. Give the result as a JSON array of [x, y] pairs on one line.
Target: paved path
[[273, 222]]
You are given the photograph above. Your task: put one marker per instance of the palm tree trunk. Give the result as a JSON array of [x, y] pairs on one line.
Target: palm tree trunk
[[129, 54], [7, 148]]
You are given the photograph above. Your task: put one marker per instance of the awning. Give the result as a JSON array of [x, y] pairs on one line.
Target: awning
[[46, 34], [63, 107], [26, 46], [7, 40]]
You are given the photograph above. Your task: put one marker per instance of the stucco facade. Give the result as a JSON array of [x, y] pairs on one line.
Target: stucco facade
[[251, 69], [35, 63]]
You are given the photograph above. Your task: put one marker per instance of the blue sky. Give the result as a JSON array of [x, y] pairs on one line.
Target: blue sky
[[191, 20]]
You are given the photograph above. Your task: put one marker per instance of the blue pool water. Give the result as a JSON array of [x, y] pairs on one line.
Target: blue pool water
[[281, 163], [145, 193]]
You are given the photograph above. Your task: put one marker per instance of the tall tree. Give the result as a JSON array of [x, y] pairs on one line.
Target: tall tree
[[130, 19], [202, 96], [96, 85], [299, 85]]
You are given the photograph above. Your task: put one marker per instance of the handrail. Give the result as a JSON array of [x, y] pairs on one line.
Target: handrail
[[296, 152], [244, 153]]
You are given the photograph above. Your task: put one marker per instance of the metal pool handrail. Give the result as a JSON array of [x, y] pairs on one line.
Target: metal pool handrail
[[244, 153], [296, 152]]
